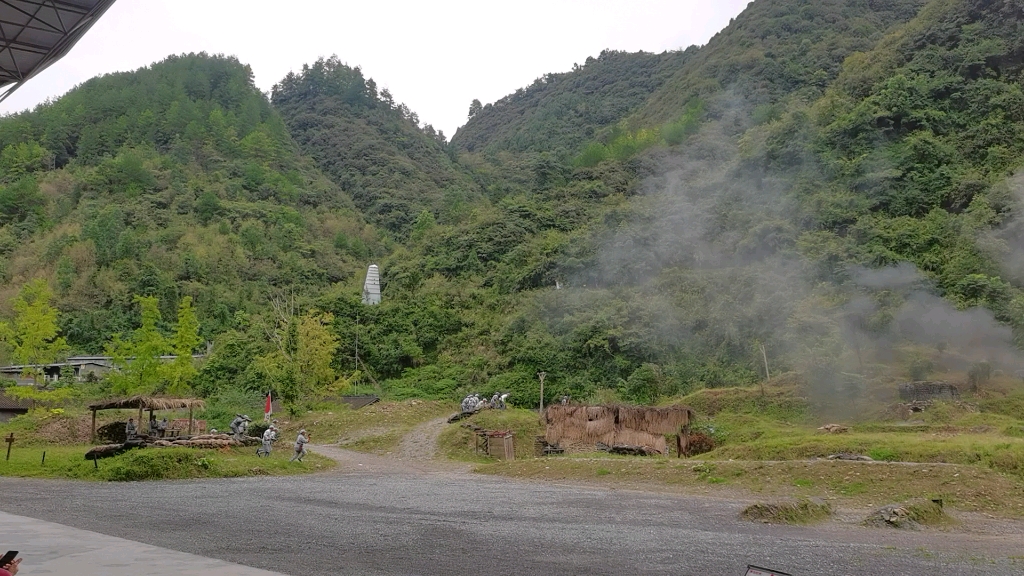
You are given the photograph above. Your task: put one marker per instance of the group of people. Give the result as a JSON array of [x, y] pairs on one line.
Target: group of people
[[474, 402], [131, 431], [270, 436], [239, 426]]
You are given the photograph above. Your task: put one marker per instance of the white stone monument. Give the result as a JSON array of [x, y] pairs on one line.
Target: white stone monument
[[371, 288]]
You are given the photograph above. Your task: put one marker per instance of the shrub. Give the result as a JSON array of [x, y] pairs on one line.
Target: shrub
[[801, 512]]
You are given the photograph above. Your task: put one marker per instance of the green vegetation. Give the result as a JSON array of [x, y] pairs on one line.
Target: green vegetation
[[459, 443], [811, 201], [362, 429], [155, 464]]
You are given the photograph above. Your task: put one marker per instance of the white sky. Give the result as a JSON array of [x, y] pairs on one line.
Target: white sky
[[436, 57]]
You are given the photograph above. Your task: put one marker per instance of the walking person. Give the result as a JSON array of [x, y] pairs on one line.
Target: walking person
[[300, 446], [269, 435]]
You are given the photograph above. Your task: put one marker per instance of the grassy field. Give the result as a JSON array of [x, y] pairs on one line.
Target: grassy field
[[154, 464], [747, 427], [768, 446], [850, 484], [458, 442], [377, 428]]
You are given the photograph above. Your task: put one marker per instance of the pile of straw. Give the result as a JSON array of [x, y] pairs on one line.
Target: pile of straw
[[582, 427]]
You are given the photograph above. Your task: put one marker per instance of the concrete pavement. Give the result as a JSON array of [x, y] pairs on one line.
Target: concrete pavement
[[49, 548]]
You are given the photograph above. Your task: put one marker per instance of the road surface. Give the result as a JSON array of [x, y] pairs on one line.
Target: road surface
[[379, 516]]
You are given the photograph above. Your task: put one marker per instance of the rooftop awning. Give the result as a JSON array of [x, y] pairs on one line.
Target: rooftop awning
[[37, 33], [147, 403]]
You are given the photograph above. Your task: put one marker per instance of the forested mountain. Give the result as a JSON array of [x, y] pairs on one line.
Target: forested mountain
[[369, 145], [561, 112], [178, 179], [825, 187]]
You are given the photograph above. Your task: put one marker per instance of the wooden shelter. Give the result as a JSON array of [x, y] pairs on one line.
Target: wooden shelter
[[144, 403], [584, 426]]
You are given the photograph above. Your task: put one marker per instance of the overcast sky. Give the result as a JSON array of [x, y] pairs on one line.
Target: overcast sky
[[436, 57]]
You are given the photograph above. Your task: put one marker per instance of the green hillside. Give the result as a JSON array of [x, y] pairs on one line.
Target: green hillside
[[561, 112], [174, 180], [369, 145], [825, 188]]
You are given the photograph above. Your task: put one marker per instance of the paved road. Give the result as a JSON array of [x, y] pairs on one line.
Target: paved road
[[377, 518]]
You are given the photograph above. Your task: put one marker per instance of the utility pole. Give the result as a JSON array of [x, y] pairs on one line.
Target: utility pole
[[357, 345], [541, 375]]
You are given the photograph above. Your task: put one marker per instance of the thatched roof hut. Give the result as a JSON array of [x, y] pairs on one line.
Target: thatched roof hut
[[150, 403], [584, 426]]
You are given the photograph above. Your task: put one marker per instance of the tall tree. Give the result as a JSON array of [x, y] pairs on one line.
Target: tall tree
[[140, 370], [315, 348], [32, 335], [186, 337]]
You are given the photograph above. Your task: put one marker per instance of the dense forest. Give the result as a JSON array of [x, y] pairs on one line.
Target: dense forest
[[825, 188]]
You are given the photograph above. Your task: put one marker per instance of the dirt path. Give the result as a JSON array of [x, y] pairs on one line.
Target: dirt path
[[352, 462], [421, 442]]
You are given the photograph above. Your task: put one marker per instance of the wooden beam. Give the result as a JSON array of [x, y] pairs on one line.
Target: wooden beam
[[190, 420], [93, 437]]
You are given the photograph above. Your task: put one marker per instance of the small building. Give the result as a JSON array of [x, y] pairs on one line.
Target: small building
[[83, 367], [11, 407], [924, 391], [371, 288]]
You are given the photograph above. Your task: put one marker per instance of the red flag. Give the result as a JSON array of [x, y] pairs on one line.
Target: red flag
[[268, 409]]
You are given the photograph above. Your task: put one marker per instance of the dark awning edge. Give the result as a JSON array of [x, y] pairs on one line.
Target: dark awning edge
[[36, 33]]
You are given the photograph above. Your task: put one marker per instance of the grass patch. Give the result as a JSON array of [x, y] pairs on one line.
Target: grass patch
[[459, 443], [857, 484], [377, 428], [155, 464], [783, 404], [799, 512], [884, 454], [376, 443]]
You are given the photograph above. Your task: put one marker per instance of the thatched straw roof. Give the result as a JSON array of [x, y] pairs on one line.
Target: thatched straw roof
[[583, 426], [148, 403]]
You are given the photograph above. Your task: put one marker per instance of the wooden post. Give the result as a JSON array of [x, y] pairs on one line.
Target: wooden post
[[10, 441], [93, 437], [189, 419], [683, 441], [138, 423]]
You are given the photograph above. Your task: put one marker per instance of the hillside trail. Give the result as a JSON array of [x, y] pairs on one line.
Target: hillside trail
[[416, 454], [420, 443]]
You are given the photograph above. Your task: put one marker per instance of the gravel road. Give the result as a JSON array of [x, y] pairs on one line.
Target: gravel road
[[378, 516]]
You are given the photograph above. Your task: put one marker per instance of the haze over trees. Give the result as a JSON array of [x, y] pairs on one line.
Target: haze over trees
[[833, 181]]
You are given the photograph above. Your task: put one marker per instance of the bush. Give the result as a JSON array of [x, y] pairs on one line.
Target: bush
[[801, 512]]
